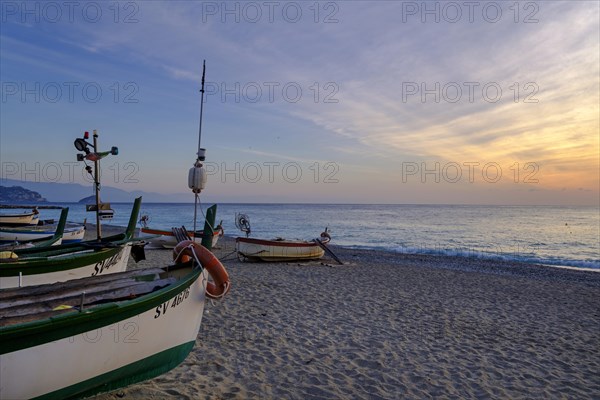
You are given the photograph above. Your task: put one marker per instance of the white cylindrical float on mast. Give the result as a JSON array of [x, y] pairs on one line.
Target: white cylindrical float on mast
[[197, 174]]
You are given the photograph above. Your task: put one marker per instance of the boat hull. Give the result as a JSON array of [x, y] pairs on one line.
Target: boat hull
[[167, 239], [105, 261], [41, 265], [17, 219], [72, 234], [278, 250], [127, 350]]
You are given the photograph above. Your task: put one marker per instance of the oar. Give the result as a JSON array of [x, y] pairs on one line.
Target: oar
[[328, 251]]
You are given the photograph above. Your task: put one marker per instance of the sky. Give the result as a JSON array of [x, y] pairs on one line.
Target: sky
[[322, 102]]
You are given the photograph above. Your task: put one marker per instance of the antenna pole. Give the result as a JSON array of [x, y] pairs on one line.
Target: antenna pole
[[97, 186], [200, 152], [195, 214]]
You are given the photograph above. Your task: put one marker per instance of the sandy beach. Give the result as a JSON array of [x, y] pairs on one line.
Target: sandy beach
[[390, 326]]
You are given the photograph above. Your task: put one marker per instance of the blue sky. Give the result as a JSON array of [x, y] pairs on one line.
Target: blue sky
[[360, 102]]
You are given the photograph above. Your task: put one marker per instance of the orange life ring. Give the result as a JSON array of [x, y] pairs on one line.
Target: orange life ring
[[188, 250]]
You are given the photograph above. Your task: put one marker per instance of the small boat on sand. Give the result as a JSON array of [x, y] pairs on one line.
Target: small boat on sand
[[42, 242], [96, 334], [72, 233], [281, 249], [40, 265], [19, 219]]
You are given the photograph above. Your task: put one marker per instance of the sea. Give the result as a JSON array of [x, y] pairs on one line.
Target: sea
[[552, 235]]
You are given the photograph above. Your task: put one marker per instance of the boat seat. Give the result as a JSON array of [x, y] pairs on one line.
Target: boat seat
[[181, 234], [10, 295], [57, 304]]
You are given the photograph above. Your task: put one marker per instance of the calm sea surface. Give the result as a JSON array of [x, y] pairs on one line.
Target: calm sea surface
[[568, 236]]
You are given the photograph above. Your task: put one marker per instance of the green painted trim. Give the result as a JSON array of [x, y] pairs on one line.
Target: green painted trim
[[130, 231], [42, 265], [209, 223], [49, 241], [35, 333], [35, 261], [60, 228], [138, 371], [39, 243], [110, 241]]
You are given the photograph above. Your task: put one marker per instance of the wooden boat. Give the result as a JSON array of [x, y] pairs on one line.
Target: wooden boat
[[36, 266], [19, 219], [72, 233], [96, 334], [166, 239], [280, 249], [7, 249], [53, 240]]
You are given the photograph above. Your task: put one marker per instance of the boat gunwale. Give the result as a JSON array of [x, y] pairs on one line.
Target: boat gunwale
[[31, 213], [39, 229], [170, 233], [35, 260], [282, 243], [62, 261]]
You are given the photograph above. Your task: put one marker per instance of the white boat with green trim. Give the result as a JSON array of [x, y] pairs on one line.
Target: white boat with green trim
[[37, 266], [72, 233], [53, 240], [96, 334]]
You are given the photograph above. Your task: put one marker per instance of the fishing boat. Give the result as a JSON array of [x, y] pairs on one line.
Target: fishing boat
[[44, 241], [166, 239], [7, 249], [19, 219], [36, 266], [280, 249], [72, 233], [96, 334]]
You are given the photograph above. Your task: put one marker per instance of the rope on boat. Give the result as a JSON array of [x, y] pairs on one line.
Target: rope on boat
[[224, 258], [182, 250]]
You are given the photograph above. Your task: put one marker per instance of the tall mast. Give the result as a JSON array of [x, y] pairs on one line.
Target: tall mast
[[197, 174], [97, 187], [200, 149]]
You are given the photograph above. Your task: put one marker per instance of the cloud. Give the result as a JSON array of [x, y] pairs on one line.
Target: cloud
[[372, 55]]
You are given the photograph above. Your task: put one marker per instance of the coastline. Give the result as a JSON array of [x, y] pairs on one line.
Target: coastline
[[388, 325]]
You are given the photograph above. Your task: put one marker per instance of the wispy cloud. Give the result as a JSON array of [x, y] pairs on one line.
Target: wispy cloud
[[370, 53]]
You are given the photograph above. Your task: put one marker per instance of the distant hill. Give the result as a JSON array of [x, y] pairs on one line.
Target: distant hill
[[88, 200], [18, 194]]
